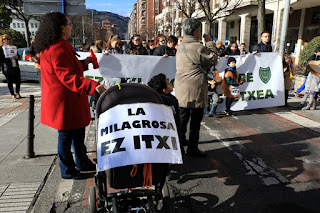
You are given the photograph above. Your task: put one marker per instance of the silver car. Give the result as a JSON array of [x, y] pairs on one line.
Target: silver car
[[27, 69]]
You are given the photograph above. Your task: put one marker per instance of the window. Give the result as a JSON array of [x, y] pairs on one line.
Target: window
[[22, 25], [32, 33], [36, 25], [32, 25], [14, 25], [18, 25]]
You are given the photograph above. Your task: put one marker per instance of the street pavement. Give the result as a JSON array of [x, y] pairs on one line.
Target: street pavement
[[264, 160]]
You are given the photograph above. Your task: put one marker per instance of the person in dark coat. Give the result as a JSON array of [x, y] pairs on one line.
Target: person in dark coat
[[242, 49], [264, 45], [232, 49], [168, 49], [135, 46], [64, 93], [151, 47], [10, 68]]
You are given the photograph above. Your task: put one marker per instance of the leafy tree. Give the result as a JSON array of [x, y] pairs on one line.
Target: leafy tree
[[17, 38], [309, 50], [5, 17], [16, 7]]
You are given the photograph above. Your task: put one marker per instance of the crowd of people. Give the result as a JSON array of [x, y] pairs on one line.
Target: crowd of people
[[196, 81]]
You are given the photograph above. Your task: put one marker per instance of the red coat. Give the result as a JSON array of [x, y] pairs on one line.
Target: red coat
[[64, 90]]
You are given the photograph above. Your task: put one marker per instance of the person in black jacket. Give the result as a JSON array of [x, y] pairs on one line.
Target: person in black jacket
[[10, 68], [264, 45], [167, 50], [232, 49]]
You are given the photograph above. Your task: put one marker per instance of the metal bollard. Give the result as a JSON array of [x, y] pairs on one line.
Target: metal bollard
[[30, 151]]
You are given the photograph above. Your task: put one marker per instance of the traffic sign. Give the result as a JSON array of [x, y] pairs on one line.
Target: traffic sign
[[41, 7]]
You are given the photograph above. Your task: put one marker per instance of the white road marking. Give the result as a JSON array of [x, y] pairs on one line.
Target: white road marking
[[305, 122], [255, 165]]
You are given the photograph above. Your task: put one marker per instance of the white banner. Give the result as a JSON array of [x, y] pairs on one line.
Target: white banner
[[137, 133], [9, 51], [262, 74]]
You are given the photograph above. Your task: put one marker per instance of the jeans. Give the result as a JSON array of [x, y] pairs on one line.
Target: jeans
[[66, 139], [196, 115], [228, 103]]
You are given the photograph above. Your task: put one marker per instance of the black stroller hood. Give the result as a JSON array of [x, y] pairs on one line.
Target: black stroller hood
[[127, 93]]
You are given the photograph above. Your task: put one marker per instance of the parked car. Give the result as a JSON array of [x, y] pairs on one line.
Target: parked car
[[27, 69]]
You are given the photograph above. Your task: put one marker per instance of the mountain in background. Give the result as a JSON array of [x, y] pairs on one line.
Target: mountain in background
[[121, 21]]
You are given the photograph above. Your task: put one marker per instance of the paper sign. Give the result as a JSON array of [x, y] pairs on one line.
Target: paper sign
[[9, 51], [137, 133], [235, 90]]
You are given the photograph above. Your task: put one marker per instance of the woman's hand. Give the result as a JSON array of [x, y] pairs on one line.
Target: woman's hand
[[165, 55], [16, 57], [100, 88]]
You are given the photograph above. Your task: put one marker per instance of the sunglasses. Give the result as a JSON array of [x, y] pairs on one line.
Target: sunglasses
[[162, 41], [6, 39]]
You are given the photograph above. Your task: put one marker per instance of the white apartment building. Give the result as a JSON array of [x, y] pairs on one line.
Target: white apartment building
[[19, 25], [242, 25]]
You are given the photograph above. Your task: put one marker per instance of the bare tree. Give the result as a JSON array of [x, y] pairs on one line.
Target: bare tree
[[16, 7], [192, 8], [187, 7], [77, 28], [260, 17]]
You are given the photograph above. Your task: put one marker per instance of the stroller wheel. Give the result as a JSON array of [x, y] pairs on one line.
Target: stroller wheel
[[92, 200], [114, 205], [151, 207]]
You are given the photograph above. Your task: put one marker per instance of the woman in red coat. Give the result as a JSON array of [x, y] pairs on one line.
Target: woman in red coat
[[64, 98]]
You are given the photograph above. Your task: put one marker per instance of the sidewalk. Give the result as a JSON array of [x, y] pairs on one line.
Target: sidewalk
[[21, 180]]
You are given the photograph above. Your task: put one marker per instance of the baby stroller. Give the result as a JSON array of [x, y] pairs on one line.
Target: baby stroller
[[131, 195]]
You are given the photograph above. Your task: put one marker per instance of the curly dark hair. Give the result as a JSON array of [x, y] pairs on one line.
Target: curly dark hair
[[49, 30], [158, 82]]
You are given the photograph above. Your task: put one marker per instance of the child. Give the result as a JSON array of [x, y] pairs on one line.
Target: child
[[230, 84], [213, 98], [314, 57], [288, 76], [161, 84], [312, 90]]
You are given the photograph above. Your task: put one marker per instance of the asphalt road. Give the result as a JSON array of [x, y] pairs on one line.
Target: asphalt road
[[264, 160]]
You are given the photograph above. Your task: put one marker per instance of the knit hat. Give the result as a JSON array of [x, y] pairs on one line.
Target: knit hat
[[230, 59]]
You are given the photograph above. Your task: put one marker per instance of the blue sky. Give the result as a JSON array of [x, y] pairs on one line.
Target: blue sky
[[121, 7]]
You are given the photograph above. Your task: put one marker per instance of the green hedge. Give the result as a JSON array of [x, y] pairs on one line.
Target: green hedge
[[309, 50], [17, 38]]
